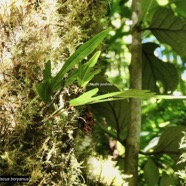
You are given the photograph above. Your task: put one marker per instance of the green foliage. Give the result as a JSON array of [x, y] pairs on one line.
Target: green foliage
[[170, 139], [151, 173], [87, 97], [155, 70], [51, 85], [115, 115], [169, 29], [85, 73], [166, 180]]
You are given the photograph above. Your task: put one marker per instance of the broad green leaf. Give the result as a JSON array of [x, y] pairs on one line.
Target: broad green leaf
[[170, 139], [148, 8], [151, 173], [169, 29], [82, 52], [155, 70], [166, 180], [179, 7], [85, 71], [115, 114]]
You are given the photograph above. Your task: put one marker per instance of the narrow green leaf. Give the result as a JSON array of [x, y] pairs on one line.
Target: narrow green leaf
[[83, 51], [85, 73], [151, 173], [47, 71], [44, 91], [44, 87], [84, 98]]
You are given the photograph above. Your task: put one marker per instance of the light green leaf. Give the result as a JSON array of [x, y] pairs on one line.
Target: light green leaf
[[169, 29], [85, 73], [87, 98], [84, 98], [82, 52], [155, 70], [179, 7], [151, 173], [146, 7]]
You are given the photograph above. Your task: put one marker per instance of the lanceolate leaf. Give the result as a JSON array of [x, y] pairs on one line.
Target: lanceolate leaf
[[155, 70], [82, 52], [44, 88], [50, 85], [169, 29], [85, 72], [87, 98]]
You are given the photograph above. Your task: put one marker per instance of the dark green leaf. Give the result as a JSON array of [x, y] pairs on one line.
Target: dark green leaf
[[166, 180], [44, 87], [155, 70], [151, 173], [115, 114], [47, 71], [170, 29], [170, 139], [44, 91]]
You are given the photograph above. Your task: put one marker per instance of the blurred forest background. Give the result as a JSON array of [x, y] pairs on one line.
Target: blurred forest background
[[56, 143]]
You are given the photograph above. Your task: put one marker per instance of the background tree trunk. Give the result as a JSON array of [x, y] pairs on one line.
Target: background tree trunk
[[133, 138]]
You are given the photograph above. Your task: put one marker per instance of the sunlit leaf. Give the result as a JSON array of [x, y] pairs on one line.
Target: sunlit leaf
[[179, 7], [84, 98], [151, 173], [87, 98], [169, 29], [82, 52], [85, 71], [155, 70]]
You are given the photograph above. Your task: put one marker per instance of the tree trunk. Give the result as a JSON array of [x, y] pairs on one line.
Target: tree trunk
[[133, 138]]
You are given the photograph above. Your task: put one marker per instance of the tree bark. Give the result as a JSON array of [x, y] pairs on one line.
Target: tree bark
[[133, 138]]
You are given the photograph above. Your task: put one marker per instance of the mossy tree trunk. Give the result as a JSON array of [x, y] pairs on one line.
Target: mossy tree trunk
[[133, 138]]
